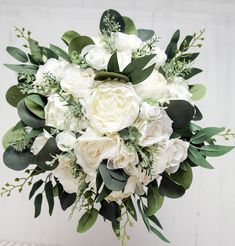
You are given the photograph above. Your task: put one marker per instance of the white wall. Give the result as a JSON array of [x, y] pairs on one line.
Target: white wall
[[206, 214]]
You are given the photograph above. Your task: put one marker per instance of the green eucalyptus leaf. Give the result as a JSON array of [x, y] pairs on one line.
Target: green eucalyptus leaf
[[184, 175], [144, 216], [36, 52], [130, 207], [110, 210], [145, 34], [49, 190], [61, 53], [113, 63], [18, 54], [49, 53], [27, 117], [22, 68], [197, 158], [103, 194], [87, 220], [67, 199], [155, 220], [172, 46], [215, 150], [129, 26], [137, 77], [38, 205], [198, 91], [116, 226], [114, 16], [188, 57], [78, 43], [34, 108], [69, 36], [14, 95], [35, 187], [185, 43], [17, 160], [159, 234], [197, 115], [205, 134], [193, 71], [181, 112], [103, 75]]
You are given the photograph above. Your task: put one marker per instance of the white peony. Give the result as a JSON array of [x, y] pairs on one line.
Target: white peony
[[127, 41], [177, 150], [52, 66], [40, 141], [91, 148], [77, 81], [96, 56], [149, 111], [65, 173], [112, 106], [154, 131], [65, 141], [124, 58], [57, 112], [125, 156], [155, 87]]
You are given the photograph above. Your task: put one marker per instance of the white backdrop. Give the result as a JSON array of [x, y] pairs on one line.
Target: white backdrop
[[206, 214]]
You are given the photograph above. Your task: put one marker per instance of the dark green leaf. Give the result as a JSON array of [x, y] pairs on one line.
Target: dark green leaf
[[197, 158], [159, 234], [188, 57], [184, 175], [129, 26], [99, 181], [34, 133], [185, 43], [36, 52], [154, 219], [27, 117], [215, 150], [14, 95], [38, 205], [116, 228], [113, 15], [78, 43], [49, 190], [144, 216], [197, 115], [113, 63], [67, 200], [130, 207], [145, 34], [181, 112], [16, 160], [205, 134], [61, 53], [49, 53], [103, 75], [172, 46], [110, 210], [137, 77], [193, 71], [87, 220], [17, 54], [22, 68], [35, 187], [69, 36], [103, 194]]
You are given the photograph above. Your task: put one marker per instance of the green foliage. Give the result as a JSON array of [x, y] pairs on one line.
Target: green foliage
[[113, 63], [50, 196], [159, 234], [14, 95], [192, 72], [114, 180], [69, 36], [103, 194], [181, 112], [103, 75], [17, 53], [61, 53], [17, 160], [78, 43], [87, 220], [67, 199], [35, 103], [145, 34], [130, 207], [129, 26], [213, 150], [36, 56], [172, 46], [22, 68], [38, 205], [35, 187], [110, 210], [49, 53]]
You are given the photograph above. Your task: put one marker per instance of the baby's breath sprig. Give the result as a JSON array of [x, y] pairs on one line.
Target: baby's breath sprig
[[227, 135], [24, 34], [51, 84], [25, 84], [176, 69]]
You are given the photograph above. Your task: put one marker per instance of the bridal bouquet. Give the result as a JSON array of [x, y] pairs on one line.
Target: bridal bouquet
[[107, 125]]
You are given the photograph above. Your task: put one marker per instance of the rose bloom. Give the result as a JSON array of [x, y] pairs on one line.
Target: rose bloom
[[150, 111], [56, 114], [91, 148], [112, 106], [96, 56], [154, 131], [155, 87], [65, 141], [127, 41], [77, 81]]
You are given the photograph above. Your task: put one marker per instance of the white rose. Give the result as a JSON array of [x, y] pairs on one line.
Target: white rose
[[127, 41], [96, 56], [65, 173], [159, 164], [155, 87], [125, 156], [160, 57], [56, 114], [52, 66], [65, 141], [150, 112], [90, 149], [154, 131], [112, 106], [39, 142], [177, 150], [124, 58], [77, 81]]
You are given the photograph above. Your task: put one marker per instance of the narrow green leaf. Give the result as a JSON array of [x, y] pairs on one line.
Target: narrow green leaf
[[49, 190], [17, 54], [159, 234], [61, 53], [130, 207], [144, 216], [35, 187], [22, 68], [215, 150], [36, 52], [185, 43], [49, 53], [155, 220], [194, 71], [38, 205], [87, 220], [139, 76], [103, 194], [113, 63], [172, 46]]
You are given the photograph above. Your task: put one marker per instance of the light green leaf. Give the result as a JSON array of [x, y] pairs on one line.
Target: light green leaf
[[34, 108], [69, 36], [215, 150], [17, 54], [22, 68], [87, 220], [78, 43], [129, 26], [61, 53], [198, 91], [159, 234], [145, 34]]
